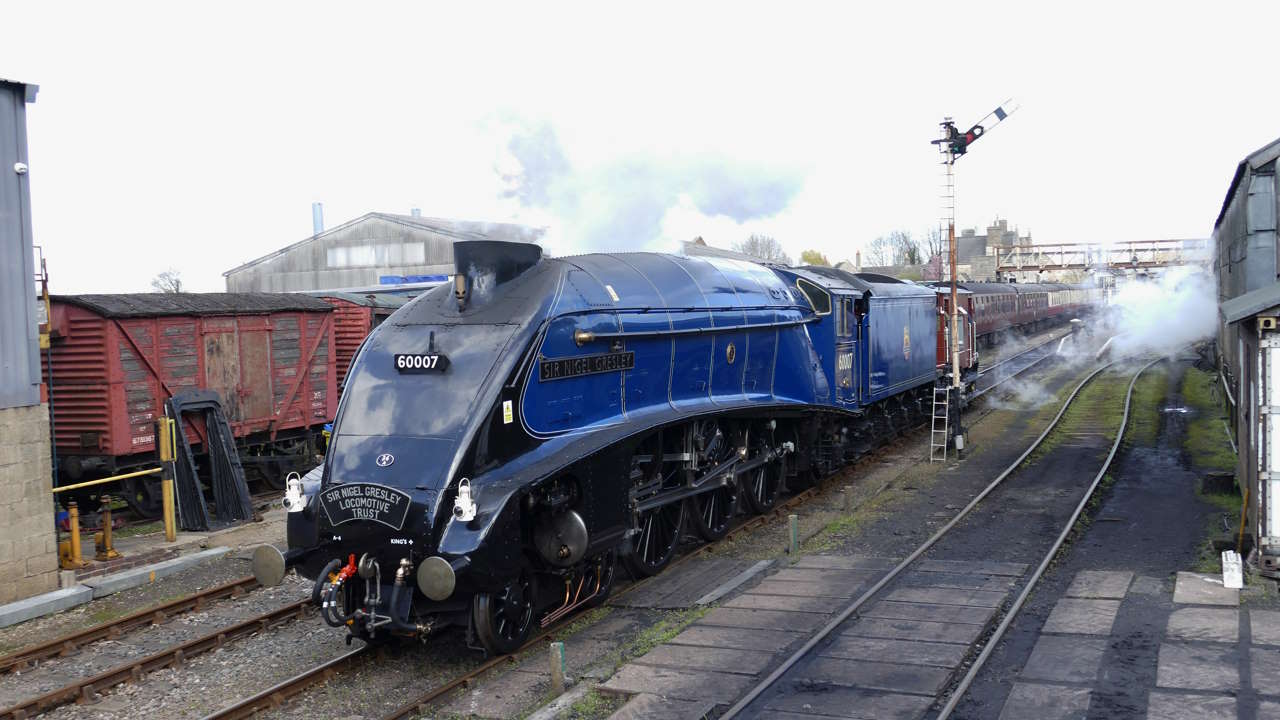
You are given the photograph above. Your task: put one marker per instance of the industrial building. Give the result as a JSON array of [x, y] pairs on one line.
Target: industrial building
[[28, 543], [373, 249], [1244, 238]]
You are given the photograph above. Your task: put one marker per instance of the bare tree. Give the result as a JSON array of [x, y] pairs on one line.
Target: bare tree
[[168, 281], [905, 249], [880, 252], [813, 257], [764, 247], [935, 243]]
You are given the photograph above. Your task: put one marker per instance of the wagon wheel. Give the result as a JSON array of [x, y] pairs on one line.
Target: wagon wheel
[[504, 618], [142, 495], [655, 543]]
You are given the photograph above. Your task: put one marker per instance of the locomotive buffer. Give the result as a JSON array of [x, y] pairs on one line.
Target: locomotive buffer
[[953, 144]]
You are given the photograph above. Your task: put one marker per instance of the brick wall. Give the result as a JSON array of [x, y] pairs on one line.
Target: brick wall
[[28, 544]]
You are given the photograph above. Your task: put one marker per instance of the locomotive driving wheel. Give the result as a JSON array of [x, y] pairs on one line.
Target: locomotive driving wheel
[[710, 512], [655, 543], [503, 619], [761, 485]]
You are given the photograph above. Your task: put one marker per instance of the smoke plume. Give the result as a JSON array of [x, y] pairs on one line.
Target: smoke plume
[[620, 204]]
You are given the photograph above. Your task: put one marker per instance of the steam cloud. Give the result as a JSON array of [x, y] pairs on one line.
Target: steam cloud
[[620, 204], [1164, 315]]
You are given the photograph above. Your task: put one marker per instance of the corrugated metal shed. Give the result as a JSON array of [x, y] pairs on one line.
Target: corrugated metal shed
[[359, 252], [19, 333]]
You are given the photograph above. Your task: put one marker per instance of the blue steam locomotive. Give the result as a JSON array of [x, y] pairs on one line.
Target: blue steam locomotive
[[504, 442]]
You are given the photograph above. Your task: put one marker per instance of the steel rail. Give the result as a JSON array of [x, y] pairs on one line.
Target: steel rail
[[759, 689], [24, 658], [277, 695], [1009, 615], [84, 689]]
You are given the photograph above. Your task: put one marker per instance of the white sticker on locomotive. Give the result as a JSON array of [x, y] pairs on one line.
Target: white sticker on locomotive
[[365, 501], [507, 415], [421, 362]]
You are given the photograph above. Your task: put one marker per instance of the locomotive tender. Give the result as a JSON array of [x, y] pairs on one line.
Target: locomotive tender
[[503, 442]]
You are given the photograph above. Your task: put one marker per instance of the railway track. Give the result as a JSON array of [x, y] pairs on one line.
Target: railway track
[[85, 689], [27, 657], [280, 693], [745, 703]]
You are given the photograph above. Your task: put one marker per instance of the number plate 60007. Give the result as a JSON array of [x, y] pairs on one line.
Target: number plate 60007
[[421, 362]]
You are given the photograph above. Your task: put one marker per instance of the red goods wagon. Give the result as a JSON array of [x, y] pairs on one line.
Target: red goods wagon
[[355, 315], [116, 359]]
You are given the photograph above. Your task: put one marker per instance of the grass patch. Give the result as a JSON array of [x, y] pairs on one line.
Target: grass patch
[[668, 627], [138, 529], [1206, 440], [843, 527], [1144, 412], [594, 704], [1099, 404]]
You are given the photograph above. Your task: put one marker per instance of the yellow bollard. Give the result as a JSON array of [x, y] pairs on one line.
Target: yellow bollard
[[168, 447], [106, 551], [166, 500], [71, 559]]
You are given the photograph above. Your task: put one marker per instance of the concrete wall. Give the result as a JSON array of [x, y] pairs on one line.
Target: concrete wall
[[28, 544]]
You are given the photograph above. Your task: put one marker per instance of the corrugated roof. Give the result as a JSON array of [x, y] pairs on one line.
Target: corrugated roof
[[29, 89], [1254, 160], [159, 304], [456, 229], [1251, 303], [881, 285]]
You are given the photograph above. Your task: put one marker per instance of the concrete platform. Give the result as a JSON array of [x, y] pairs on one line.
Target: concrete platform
[[1201, 589], [96, 587], [652, 707], [1207, 624], [1046, 702], [45, 604], [107, 584], [1108, 584], [1082, 616]]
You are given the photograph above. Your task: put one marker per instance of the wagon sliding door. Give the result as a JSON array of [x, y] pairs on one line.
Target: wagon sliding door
[[237, 364], [222, 363], [255, 369]]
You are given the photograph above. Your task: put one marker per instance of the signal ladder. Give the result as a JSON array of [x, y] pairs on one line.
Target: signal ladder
[[941, 414]]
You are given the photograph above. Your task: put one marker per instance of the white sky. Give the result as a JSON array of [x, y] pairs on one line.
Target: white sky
[[172, 136]]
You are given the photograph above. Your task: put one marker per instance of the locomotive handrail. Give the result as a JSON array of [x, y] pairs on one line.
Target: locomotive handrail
[[690, 308], [583, 337]]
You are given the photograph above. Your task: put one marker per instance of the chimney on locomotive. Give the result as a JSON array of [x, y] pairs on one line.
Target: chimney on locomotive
[[482, 265]]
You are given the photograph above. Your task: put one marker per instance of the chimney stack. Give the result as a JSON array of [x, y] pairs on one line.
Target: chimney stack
[[415, 212], [317, 218]]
